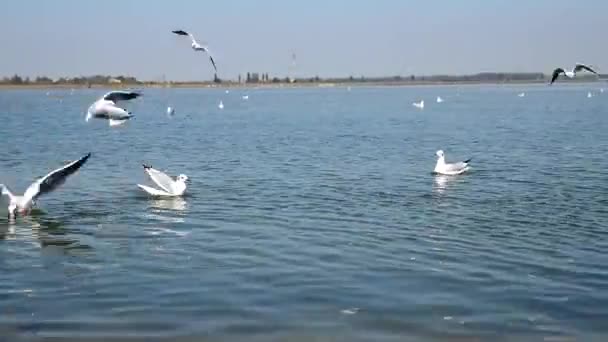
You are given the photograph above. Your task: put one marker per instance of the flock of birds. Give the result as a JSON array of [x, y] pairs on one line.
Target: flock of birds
[[106, 108]]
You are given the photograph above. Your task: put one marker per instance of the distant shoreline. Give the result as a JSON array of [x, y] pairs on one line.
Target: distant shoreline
[[271, 85]]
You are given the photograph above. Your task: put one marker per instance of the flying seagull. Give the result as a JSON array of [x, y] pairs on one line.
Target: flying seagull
[[571, 73], [168, 186], [105, 107], [23, 204], [452, 168], [196, 46]]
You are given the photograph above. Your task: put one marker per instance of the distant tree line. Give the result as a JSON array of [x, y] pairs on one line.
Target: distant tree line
[[83, 80], [254, 78]]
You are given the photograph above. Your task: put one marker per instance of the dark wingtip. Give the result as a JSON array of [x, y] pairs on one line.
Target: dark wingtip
[[147, 166], [468, 160]]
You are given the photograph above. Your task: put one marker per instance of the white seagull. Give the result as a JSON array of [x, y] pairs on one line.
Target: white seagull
[[170, 111], [105, 107], [245, 97], [450, 169], [196, 46], [168, 186], [570, 73], [23, 204], [589, 95], [419, 105], [439, 99], [521, 94], [221, 105]]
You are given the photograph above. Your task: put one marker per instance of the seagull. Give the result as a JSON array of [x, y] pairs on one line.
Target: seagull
[[105, 107], [23, 204], [168, 186], [419, 105], [170, 111], [601, 90], [196, 46], [521, 94], [245, 97], [570, 74], [589, 95], [221, 105], [439, 99], [452, 168]]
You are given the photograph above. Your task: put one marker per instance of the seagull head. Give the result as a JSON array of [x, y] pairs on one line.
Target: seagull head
[[182, 178], [439, 154]]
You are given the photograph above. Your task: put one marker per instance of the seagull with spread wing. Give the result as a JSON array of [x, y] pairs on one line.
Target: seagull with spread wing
[[196, 46], [168, 186], [571, 73], [450, 169], [23, 204], [105, 107]]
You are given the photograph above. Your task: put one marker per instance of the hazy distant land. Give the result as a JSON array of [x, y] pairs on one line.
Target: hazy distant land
[[264, 80]]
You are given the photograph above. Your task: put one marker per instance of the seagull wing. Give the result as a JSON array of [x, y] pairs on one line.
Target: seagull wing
[[162, 180], [212, 61], [181, 32], [457, 167], [580, 67], [54, 179], [556, 73], [116, 96], [6, 191], [184, 33]]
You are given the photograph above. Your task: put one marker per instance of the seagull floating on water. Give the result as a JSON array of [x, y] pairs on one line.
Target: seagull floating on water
[[589, 95], [196, 46], [221, 105], [439, 99], [245, 97], [170, 111], [419, 105], [570, 73], [450, 169], [105, 107], [23, 204], [521, 94], [601, 90], [168, 186]]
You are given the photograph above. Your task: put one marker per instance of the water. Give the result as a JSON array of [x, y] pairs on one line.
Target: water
[[312, 215]]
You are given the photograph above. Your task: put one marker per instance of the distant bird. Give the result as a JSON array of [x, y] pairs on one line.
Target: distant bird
[[221, 105], [452, 168], [23, 204], [589, 95], [570, 74], [196, 46], [170, 111], [419, 105], [439, 99], [601, 90], [521, 94], [168, 186], [105, 107], [245, 97], [227, 91]]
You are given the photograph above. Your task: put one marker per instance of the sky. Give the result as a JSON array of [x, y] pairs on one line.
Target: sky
[[328, 37]]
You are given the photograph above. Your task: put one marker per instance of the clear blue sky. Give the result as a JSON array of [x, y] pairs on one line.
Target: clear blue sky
[[329, 37]]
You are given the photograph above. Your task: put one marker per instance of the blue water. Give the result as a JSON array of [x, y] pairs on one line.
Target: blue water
[[312, 215]]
